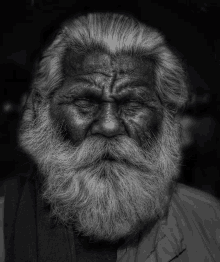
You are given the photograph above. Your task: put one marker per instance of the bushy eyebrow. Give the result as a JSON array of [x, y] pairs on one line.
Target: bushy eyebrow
[[137, 94], [82, 91], [130, 90], [136, 83]]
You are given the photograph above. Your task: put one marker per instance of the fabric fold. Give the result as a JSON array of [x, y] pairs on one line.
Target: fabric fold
[[29, 235]]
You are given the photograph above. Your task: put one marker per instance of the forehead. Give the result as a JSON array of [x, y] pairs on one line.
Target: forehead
[[105, 72], [119, 65], [107, 64]]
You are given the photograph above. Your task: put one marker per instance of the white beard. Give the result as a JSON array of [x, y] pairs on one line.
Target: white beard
[[105, 200]]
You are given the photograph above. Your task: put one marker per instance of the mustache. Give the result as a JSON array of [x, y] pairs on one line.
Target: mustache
[[96, 149]]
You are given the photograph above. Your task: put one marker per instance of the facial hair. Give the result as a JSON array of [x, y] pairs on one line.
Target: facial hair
[[109, 189]]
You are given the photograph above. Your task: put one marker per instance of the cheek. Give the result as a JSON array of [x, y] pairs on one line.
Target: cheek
[[153, 126], [144, 126], [73, 125]]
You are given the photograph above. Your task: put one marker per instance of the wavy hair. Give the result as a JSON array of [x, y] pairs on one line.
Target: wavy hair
[[114, 34]]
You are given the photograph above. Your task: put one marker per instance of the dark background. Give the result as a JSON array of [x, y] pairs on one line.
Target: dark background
[[191, 28]]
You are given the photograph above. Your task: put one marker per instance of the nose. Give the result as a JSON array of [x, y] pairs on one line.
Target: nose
[[108, 122]]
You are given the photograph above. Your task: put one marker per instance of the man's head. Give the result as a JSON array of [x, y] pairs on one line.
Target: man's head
[[100, 124]]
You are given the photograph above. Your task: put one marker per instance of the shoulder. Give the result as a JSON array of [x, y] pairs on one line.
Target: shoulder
[[198, 216], [18, 177], [12, 187], [10, 192], [200, 207], [197, 199]]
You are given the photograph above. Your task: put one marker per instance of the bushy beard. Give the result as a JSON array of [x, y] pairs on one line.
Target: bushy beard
[[110, 189]]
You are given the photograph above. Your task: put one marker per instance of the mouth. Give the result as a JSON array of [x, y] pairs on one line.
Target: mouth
[[108, 157]]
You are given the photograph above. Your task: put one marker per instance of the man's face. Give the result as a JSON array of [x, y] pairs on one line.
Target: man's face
[[107, 152], [108, 97]]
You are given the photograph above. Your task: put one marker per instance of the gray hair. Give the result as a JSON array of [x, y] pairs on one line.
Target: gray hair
[[114, 33]]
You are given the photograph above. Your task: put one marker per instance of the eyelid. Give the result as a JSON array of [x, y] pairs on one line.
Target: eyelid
[[84, 103], [88, 98], [132, 101], [83, 100]]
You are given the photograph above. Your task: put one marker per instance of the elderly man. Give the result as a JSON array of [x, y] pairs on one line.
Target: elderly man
[[101, 126]]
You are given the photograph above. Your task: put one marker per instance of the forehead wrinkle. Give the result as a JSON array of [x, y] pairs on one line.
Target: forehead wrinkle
[[102, 82], [79, 85], [113, 84], [132, 83], [94, 79]]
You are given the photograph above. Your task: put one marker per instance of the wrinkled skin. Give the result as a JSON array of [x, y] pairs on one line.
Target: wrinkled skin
[[102, 130], [109, 97], [110, 171]]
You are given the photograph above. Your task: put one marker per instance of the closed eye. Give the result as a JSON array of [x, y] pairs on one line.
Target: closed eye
[[84, 103], [132, 104]]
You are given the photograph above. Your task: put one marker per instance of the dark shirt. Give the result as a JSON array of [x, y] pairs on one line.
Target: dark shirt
[[94, 252]]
